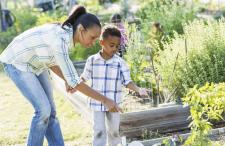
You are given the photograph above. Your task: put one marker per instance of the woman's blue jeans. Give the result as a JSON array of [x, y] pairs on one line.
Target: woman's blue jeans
[[38, 91]]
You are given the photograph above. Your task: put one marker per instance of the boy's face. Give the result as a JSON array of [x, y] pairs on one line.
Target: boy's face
[[110, 45]]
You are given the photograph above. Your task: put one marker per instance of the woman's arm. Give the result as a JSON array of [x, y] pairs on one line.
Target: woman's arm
[[59, 73], [85, 89], [88, 91]]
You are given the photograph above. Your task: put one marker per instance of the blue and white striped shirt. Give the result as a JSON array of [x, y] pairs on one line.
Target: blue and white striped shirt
[[107, 77], [39, 48]]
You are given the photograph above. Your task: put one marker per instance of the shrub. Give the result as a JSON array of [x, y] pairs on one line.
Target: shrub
[[135, 55], [25, 19], [206, 104], [51, 16], [81, 53], [170, 13], [196, 57]]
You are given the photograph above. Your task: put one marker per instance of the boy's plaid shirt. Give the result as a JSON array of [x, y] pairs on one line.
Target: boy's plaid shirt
[[107, 77], [39, 48]]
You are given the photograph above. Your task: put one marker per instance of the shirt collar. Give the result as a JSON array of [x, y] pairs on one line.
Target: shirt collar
[[99, 57]]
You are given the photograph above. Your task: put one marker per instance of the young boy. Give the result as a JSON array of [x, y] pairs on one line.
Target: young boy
[[107, 73]]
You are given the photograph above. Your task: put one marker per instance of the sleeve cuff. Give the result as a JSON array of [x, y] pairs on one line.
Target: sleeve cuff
[[127, 82], [76, 83], [84, 77]]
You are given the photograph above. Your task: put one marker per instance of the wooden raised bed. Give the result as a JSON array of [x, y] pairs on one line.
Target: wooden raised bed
[[162, 120]]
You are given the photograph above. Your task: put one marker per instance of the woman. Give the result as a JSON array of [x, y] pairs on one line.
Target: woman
[[29, 56]]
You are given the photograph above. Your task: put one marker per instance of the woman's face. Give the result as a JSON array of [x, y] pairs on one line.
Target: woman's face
[[87, 37]]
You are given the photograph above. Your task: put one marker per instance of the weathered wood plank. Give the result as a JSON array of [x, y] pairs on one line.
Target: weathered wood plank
[[163, 120]]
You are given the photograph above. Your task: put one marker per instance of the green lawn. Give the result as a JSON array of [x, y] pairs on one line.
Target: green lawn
[[16, 114]]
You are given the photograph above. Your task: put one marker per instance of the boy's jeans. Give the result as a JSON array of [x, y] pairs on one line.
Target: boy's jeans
[[100, 134], [38, 91]]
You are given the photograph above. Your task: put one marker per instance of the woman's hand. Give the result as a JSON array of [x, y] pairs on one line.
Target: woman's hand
[[88, 91], [110, 104], [72, 90], [69, 89]]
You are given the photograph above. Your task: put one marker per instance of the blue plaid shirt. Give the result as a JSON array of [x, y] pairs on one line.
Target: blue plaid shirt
[[39, 48], [106, 77]]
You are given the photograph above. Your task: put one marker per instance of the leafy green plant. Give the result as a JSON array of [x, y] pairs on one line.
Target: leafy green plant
[[136, 57], [174, 140], [51, 17], [139, 58], [92, 6], [147, 134], [81, 53], [196, 57], [25, 18], [206, 104], [171, 14]]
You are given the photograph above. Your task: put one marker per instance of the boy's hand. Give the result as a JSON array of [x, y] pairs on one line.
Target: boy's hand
[[112, 106], [143, 92]]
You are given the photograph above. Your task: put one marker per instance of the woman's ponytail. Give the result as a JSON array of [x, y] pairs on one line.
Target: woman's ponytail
[[79, 16], [75, 13]]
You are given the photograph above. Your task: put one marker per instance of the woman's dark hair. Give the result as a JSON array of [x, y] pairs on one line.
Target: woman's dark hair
[[116, 18], [77, 16], [110, 30]]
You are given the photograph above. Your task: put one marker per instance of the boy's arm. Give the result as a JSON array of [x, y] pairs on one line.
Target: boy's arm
[[126, 80], [133, 87]]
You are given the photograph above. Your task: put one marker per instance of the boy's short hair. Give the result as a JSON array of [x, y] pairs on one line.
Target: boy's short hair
[[110, 30]]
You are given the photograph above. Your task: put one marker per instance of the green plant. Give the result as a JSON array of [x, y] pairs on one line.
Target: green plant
[[92, 6], [196, 57], [206, 104], [136, 57], [25, 18], [139, 59], [171, 14], [147, 134], [81, 53], [174, 140], [51, 17]]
